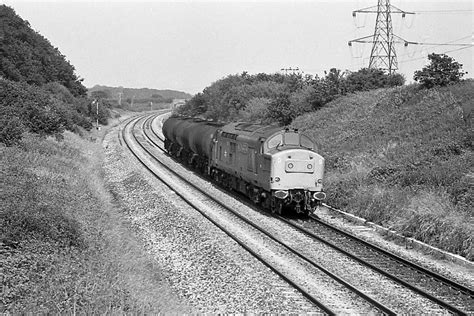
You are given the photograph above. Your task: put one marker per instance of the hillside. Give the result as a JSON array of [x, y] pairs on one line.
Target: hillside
[[403, 158], [26, 56], [143, 93], [39, 91]]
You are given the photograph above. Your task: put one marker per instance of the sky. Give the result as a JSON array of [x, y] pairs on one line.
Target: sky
[[188, 45]]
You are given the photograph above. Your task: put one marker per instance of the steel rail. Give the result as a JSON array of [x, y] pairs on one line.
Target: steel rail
[[413, 265], [307, 295], [412, 287]]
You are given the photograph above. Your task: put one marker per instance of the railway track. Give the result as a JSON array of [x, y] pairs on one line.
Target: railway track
[[291, 265], [451, 296]]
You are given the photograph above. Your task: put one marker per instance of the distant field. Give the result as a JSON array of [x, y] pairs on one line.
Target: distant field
[[402, 158]]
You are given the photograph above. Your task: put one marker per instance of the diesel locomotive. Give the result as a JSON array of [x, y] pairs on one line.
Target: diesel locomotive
[[275, 167]]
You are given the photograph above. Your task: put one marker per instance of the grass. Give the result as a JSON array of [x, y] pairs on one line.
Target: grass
[[402, 158], [64, 245]]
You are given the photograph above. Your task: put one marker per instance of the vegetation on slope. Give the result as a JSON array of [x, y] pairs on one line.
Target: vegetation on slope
[[403, 158], [64, 247], [26, 56], [39, 92]]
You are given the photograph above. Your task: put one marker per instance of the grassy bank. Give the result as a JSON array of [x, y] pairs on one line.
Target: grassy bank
[[64, 247], [402, 158]]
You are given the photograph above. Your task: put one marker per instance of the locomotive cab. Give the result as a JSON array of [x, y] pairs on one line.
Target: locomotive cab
[[296, 176]]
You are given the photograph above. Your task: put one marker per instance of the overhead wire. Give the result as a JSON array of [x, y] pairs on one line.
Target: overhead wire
[[445, 11], [450, 43], [449, 51]]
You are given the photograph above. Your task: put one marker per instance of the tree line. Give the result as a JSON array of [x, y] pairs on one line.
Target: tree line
[[271, 98], [278, 98]]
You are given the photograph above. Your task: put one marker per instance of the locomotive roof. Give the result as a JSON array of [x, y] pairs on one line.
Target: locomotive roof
[[250, 129]]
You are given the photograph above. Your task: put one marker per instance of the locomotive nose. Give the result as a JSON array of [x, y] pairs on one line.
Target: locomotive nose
[[299, 165]]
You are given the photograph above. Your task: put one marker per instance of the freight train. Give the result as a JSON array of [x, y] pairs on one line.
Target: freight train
[[277, 168]]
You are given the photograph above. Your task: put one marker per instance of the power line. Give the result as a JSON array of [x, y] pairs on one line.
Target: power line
[[444, 44], [449, 51]]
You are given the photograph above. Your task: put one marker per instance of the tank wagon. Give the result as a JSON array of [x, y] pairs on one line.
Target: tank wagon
[[273, 166]]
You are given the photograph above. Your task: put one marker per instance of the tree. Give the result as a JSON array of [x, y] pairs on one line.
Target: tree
[[442, 71], [256, 110], [280, 109]]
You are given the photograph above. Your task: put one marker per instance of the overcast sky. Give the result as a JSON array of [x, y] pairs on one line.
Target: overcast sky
[[188, 45]]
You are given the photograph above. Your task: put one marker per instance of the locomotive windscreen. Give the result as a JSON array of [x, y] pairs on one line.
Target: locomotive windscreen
[[292, 139]]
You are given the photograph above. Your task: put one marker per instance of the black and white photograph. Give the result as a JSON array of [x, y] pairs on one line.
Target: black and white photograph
[[237, 157]]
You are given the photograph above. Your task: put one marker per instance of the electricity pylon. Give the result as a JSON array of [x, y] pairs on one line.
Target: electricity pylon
[[383, 55]]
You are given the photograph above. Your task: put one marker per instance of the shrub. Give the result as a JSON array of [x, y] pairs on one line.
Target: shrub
[[11, 130], [369, 78], [44, 112], [442, 71]]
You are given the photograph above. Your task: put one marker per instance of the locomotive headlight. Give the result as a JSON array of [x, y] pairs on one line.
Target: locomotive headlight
[[290, 165], [310, 166], [277, 179], [319, 195], [319, 181], [281, 194]]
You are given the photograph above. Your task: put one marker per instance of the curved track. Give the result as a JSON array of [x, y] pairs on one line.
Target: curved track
[[452, 296], [298, 259]]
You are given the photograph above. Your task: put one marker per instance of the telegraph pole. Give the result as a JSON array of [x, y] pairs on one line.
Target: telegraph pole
[[383, 55], [96, 103]]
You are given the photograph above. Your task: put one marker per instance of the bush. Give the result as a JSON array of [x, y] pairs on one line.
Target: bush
[[369, 78], [11, 130], [47, 111]]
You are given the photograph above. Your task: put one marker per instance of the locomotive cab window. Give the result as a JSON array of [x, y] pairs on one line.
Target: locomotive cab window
[[292, 139], [275, 141], [307, 142], [233, 151]]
